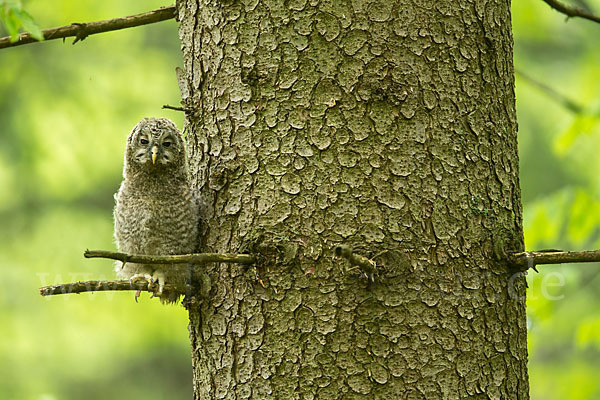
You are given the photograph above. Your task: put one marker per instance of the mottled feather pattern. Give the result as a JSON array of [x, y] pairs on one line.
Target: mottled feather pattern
[[155, 212]]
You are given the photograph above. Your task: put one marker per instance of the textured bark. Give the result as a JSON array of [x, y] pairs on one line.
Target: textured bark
[[385, 125]]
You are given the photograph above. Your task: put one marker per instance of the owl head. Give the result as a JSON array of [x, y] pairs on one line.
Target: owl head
[[155, 145]]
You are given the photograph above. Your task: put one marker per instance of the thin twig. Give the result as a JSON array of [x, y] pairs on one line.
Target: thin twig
[[583, 5], [529, 259], [560, 98], [199, 258], [572, 11], [175, 108], [82, 30], [369, 267], [99, 286]]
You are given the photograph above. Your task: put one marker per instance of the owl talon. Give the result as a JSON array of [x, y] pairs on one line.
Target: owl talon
[[142, 277], [155, 294], [159, 277], [157, 290], [139, 278]]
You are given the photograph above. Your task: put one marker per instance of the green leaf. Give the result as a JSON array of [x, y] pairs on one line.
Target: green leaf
[[13, 17], [10, 22], [583, 218], [583, 124], [29, 25]]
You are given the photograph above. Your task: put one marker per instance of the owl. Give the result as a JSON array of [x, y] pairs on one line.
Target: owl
[[155, 212]]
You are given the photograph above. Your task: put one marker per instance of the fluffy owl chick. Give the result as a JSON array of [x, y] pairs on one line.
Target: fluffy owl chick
[[155, 213]]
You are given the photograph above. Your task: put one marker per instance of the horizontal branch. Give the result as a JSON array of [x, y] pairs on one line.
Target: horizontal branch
[[369, 267], [82, 30], [572, 11], [198, 258], [529, 259], [100, 286], [175, 108]]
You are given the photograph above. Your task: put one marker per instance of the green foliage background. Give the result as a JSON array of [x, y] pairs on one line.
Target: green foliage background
[[65, 112], [561, 193]]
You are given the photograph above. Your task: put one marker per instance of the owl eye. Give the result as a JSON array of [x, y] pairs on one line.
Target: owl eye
[[144, 141], [166, 144]]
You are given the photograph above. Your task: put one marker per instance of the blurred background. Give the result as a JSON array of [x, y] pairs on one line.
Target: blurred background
[[65, 112], [558, 109]]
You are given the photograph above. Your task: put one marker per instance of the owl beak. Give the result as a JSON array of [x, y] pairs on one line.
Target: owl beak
[[154, 152]]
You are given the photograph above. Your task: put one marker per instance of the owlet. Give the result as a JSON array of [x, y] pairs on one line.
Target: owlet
[[155, 213]]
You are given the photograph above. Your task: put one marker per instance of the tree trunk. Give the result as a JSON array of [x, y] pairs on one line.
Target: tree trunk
[[385, 125]]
